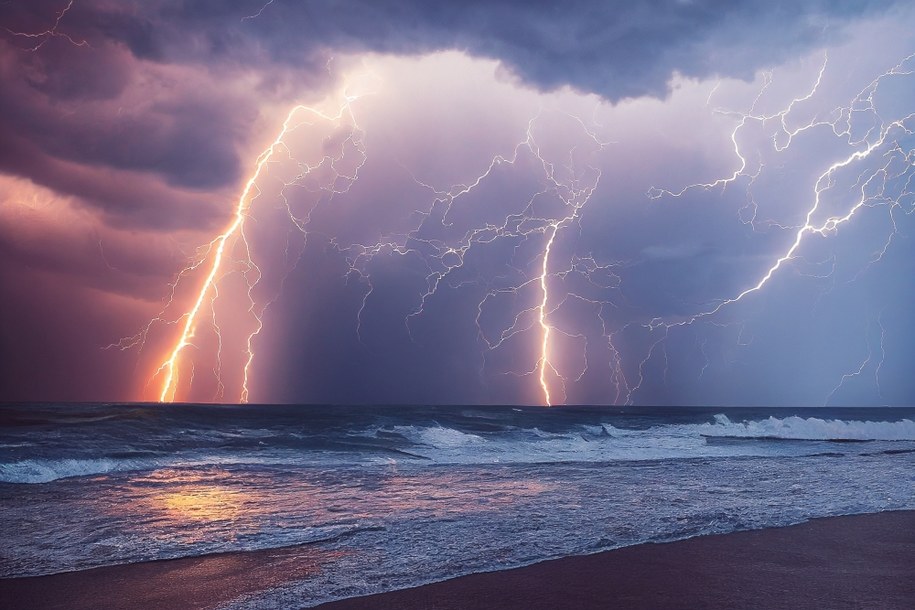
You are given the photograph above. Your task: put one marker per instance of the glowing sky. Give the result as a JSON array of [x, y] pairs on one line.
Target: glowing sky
[[664, 202]]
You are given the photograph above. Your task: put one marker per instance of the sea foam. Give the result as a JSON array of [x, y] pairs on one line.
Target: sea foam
[[44, 471], [811, 428]]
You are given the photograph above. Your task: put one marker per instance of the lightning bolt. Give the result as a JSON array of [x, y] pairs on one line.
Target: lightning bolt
[[444, 258], [537, 285], [214, 258], [53, 32], [866, 362], [259, 12], [744, 118], [541, 318], [218, 245], [574, 197], [874, 140]]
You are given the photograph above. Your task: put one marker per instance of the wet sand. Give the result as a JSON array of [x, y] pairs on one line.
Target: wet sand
[[864, 561]]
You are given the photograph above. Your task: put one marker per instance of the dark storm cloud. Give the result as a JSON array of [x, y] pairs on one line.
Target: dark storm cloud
[[145, 144], [105, 104], [76, 121], [125, 199], [617, 49]]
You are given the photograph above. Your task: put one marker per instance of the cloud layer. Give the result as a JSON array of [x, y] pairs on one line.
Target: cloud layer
[[129, 129]]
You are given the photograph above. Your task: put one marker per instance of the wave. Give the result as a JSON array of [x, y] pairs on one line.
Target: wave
[[439, 437], [458, 442], [44, 470], [606, 442], [810, 429]]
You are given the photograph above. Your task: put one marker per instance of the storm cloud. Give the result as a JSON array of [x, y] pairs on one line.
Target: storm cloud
[[128, 130]]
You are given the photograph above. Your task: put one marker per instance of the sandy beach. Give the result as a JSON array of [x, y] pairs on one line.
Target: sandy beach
[[863, 561]]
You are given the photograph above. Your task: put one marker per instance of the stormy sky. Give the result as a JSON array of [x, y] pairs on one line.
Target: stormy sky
[[661, 202]]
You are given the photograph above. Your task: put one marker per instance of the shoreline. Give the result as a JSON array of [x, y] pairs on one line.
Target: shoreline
[[856, 561]]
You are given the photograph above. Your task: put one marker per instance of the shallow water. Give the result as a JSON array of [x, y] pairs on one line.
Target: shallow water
[[398, 496]]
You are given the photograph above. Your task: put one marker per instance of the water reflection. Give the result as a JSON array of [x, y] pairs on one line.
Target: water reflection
[[237, 507], [175, 495], [202, 504]]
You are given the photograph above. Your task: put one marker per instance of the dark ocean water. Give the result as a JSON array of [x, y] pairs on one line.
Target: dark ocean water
[[388, 497]]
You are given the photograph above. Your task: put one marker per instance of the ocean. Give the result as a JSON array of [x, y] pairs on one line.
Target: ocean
[[389, 497]]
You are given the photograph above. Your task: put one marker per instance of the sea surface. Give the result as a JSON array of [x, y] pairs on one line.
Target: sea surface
[[391, 497]]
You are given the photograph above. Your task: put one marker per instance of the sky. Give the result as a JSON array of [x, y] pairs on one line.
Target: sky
[[668, 202]]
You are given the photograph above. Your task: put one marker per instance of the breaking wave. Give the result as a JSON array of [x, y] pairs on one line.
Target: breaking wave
[[44, 471], [440, 437], [811, 428]]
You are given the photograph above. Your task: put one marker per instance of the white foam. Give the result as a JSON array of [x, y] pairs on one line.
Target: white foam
[[439, 436], [43, 471], [812, 428], [585, 443], [590, 443]]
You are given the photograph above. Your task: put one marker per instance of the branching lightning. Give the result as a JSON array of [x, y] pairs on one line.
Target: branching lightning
[[445, 258], [218, 246], [536, 287], [884, 136], [44, 36], [213, 258]]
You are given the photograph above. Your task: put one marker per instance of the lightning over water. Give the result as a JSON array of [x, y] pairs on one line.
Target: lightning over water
[[560, 158], [234, 237], [887, 139], [342, 297]]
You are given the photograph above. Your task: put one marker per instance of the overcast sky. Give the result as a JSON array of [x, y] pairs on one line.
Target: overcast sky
[[663, 202]]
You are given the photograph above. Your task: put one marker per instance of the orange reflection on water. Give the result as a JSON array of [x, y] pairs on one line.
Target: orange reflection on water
[[196, 506], [190, 506], [201, 504]]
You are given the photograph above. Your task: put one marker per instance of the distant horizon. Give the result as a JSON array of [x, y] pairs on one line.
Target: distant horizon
[[252, 405]]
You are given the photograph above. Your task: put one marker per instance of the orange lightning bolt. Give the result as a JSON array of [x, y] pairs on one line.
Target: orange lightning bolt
[[169, 368]]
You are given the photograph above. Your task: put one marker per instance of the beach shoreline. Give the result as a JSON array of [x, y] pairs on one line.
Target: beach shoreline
[[857, 561]]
